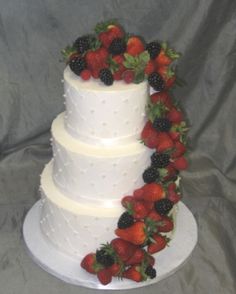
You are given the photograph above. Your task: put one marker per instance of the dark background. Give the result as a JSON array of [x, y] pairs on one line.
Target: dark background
[[32, 33]]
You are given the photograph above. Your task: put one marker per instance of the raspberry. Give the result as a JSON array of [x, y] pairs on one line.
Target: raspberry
[[85, 74], [128, 76]]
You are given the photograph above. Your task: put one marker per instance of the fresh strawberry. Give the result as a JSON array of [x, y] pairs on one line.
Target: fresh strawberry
[[149, 205], [126, 201], [153, 215], [175, 115], [170, 82], [180, 163], [133, 273], [123, 249], [137, 257], [105, 39], [159, 244], [135, 46], [134, 234], [163, 97], [138, 194], [166, 224], [150, 67], [118, 59], [85, 74], [173, 196], [88, 263], [163, 59], [170, 172], [164, 142], [175, 135], [153, 192], [95, 73], [115, 31], [149, 135], [128, 76], [118, 75], [179, 149], [139, 210], [171, 187], [104, 276], [115, 269]]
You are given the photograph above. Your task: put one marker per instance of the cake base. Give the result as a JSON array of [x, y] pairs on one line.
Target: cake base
[[68, 269]]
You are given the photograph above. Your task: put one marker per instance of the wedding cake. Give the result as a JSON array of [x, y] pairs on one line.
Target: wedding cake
[[110, 192]]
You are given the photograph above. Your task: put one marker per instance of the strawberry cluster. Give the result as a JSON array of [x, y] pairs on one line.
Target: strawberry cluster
[[111, 54]]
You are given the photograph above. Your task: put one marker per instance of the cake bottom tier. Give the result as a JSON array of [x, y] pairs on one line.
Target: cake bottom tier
[[74, 228]]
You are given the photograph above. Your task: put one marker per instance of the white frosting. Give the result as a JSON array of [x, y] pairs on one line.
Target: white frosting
[[100, 114], [94, 173]]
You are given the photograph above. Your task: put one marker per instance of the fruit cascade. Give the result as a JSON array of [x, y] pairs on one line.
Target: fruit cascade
[[111, 54]]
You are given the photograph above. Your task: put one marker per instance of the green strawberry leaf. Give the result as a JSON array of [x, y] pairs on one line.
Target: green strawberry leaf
[[144, 57], [139, 77], [67, 52], [114, 66], [102, 26]]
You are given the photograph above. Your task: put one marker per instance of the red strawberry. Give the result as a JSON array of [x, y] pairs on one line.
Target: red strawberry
[[88, 263], [153, 192], [153, 215], [171, 172], [95, 73], [158, 245], [128, 76], [104, 39], [135, 46], [104, 276], [175, 115], [123, 249], [180, 149], [163, 97], [85, 74], [163, 59], [180, 163], [127, 201], [150, 67], [138, 194], [139, 210], [170, 82], [149, 205], [173, 196], [171, 187], [115, 31], [175, 135], [133, 273], [165, 225], [134, 234], [118, 59], [137, 257], [164, 142], [115, 269], [149, 135], [118, 75]]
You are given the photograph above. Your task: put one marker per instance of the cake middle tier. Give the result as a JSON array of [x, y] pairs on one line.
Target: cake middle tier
[[94, 173]]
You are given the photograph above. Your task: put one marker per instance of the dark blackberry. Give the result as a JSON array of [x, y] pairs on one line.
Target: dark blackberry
[[160, 160], [153, 48], [162, 124], [156, 81], [163, 206], [82, 44], [126, 220], [151, 272], [77, 65], [104, 258], [150, 175], [118, 46], [106, 76]]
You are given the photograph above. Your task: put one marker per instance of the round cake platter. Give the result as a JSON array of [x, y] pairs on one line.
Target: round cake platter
[[68, 269]]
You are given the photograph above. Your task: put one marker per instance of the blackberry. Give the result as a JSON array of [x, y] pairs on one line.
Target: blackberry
[[82, 44], [150, 175], [104, 258], [77, 65], [151, 272], [163, 206], [156, 81], [118, 46], [162, 124], [153, 48], [126, 220], [106, 76], [160, 160]]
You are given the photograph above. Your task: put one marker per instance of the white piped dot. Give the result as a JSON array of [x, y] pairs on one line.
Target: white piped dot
[[60, 170], [91, 111], [91, 164], [103, 101], [70, 111], [64, 95], [103, 176], [127, 122], [115, 112], [62, 81], [104, 124]]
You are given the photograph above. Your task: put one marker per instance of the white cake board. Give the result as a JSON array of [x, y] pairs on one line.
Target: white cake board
[[68, 269]]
